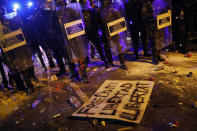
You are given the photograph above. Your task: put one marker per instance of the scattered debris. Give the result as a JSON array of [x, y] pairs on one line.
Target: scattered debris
[[189, 55], [34, 124], [95, 69], [17, 122], [57, 115], [195, 104], [126, 128], [16, 108], [159, 68], [63, 129], [103, 123], [74, 102], [36, 102], [94, 122], [142, 53], [166, 62], [151, 78], [41, 111], [161, 83], [176, 80], [174, 124], [69, 88], [54, 78], [190, 74], [111, 69], [175, 72]]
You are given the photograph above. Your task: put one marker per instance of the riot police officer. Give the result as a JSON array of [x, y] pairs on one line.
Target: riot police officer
[[137, 25], [72, 27], [92, 20], [50, 27], [16, 52], [110, 14]]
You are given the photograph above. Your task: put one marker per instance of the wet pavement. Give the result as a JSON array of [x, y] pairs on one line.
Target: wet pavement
[[171, 105]]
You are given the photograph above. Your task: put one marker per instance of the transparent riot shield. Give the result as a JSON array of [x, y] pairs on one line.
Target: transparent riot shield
[[74, 32], [115, 26], [15, 51], [163, 23]]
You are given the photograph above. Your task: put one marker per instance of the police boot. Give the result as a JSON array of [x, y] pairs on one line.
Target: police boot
[[31, 73], [82, 66], [61, 66], [136, 47], [27, 82], [74, 74], [122, 62], [160, 58], [155, 57], [108, 54], [103, 58]]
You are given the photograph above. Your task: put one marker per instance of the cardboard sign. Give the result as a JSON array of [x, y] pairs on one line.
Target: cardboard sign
[[13, 40], [74, 29], [117, 26], [164, 20], [118, 99]]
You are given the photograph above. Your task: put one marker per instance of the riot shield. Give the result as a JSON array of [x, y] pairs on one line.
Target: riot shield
[[163, 23], [16, 53], [114, 27], [74, 32]]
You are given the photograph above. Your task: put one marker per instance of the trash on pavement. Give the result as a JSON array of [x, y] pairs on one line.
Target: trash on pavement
[[166, 62], [95, 69], [103, 123], [159, 68], [94, 122], [151, 78], [74, 102], [174, 124], [36, 102], [125, 129], [195, 104], [69, 88], [17, 122], [190, 74], [34, 124], [175, 72], [57, 115], [189, 55], [54, 78], [41, 111], [111, 69]]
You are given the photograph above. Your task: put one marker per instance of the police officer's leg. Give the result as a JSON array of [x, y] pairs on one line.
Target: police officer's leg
[[49, 55], [31, 73], [39, 53], [144, 36], [60, 63], [184, 39], [107, 49], [121, 56], [83, 67], [154, 51], [134, 31], [27, 82], [19, 81], [71, 65], [5, 81], [96, 41]]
